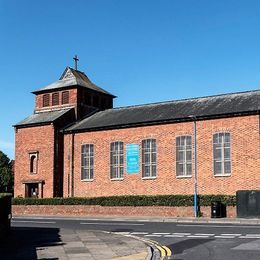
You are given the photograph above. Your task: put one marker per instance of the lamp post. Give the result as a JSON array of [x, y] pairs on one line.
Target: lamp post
[[195, 166]]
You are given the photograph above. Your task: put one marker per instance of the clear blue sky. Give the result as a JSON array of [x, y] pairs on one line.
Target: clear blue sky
[[140, 50]]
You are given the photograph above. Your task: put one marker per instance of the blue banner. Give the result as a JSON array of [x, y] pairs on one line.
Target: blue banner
[[132, 158]]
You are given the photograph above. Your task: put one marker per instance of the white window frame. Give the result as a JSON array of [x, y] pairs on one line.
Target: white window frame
[[88, 155], [117, 160], [185, 162], [223, 145], [150, 163]]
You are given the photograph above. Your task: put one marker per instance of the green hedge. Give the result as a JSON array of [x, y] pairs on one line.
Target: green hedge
[[159, 200]]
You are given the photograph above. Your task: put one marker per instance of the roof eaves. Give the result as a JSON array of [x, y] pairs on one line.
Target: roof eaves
[[53, 89], [33, 124]]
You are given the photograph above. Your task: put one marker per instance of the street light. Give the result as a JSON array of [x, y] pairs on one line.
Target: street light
[[195, 165]]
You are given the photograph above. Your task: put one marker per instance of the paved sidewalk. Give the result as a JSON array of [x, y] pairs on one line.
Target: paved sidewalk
[[53, 243]]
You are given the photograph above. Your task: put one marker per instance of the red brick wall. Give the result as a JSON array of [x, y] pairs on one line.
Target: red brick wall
[[72, 100], [31, 139], [245, 153], [86, 210]]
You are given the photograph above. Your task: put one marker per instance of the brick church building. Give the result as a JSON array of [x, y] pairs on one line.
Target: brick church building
[[76, 144]]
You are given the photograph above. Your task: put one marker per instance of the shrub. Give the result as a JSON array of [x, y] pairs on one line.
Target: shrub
[[138, 200]]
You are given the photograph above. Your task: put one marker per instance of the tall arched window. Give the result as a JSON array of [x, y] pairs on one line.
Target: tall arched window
[[33, 163]]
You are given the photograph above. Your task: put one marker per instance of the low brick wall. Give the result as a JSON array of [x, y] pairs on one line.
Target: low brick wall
[[87, 210]]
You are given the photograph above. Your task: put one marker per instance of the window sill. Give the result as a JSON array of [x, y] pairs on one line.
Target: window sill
[[222, 175], [184, 177], [149, 178], [87, 180], [117, 179]]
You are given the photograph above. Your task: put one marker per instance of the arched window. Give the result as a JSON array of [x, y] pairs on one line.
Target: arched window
[[33, 163]]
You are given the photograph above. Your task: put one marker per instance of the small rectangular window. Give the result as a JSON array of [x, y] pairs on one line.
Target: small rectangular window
[[87, 162], [222, 154], [183, 156], [116, 160], [46, 100], [55, 99], [65, 97], [149, 158]]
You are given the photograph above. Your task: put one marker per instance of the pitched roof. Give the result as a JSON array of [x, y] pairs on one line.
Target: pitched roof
[[71, 77], [43, 117], [203, 107]]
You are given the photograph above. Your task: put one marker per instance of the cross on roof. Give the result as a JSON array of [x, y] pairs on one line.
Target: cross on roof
[[76, 62]]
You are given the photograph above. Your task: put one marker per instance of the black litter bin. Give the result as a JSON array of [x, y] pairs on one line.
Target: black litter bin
[[216, 209]]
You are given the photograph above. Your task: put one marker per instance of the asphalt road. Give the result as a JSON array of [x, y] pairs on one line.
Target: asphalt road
[[186, 240]]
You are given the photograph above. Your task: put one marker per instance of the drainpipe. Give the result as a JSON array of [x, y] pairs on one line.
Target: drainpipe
[[72, 165], [195, 167], [195, 170]]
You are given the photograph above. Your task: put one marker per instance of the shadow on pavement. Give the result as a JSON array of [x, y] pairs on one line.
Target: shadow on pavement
[[122, 230], [180, 247], [23, 242]]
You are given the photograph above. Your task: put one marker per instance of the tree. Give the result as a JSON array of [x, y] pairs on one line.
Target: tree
[[6, 174]]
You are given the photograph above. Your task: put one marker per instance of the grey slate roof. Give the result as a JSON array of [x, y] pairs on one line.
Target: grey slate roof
[[219, 105], [43, 117], [71, 77]]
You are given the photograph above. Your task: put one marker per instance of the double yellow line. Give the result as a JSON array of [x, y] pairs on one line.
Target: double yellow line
[[164, 251]]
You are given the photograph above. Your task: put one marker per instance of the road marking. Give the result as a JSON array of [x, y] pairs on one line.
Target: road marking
[[224, 236], [110, 224], [162, 251], [247, 236], [256, 235], [168, 250], [185, 234], [215, 226], [161, 233], [34, 221], [139, 233], [203, 234], [152, 235], [122, 233], [194, 236], [231, 234], [174, 236]]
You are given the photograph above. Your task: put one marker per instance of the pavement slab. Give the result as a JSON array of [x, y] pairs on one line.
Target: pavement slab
[[49, 243]]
